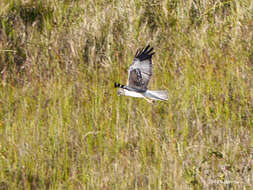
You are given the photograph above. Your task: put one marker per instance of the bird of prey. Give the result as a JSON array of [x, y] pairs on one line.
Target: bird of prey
[[139, 74]]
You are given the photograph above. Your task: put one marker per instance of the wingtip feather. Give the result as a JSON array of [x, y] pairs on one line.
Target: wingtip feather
[[144, 54]]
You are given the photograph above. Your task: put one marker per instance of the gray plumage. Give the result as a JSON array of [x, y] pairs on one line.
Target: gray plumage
[[139, 74]]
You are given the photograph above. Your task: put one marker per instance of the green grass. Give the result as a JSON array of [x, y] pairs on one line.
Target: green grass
[[62, 125]]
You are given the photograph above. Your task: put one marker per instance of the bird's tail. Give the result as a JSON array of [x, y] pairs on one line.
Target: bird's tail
[[157, 95], [118, 85]]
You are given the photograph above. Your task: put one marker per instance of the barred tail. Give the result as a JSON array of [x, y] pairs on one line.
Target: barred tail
[[118, 85]]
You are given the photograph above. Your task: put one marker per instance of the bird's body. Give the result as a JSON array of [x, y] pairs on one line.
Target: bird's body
[[151, 94], [139, 74]]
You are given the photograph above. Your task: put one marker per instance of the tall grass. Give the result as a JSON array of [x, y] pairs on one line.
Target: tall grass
[[62, 125]]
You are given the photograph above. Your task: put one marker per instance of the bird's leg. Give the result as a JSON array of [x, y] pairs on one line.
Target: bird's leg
[[149, 101]]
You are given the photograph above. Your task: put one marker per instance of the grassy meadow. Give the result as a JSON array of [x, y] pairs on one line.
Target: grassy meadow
[[62, 125]]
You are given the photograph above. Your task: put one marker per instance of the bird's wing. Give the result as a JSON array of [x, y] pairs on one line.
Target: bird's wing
[[140, 71]]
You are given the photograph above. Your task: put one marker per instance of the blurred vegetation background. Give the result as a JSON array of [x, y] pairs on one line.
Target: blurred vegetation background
[[62, 125]]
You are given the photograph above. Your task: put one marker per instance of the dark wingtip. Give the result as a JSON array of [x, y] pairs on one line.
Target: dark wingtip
[[137, 52], [145, 50], [145, 53]]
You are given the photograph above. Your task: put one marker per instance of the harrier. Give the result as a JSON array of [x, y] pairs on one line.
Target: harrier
[[139, 74]]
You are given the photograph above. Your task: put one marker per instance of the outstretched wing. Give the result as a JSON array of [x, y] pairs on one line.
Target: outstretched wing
[[140, 71]]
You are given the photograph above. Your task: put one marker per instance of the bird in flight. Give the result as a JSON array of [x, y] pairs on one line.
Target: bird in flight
[[139, 74]]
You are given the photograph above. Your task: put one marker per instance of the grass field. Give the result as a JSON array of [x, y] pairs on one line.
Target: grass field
[[62, 125]]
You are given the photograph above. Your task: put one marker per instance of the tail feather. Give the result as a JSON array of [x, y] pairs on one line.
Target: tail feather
[[117, 85], [158, 94]]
